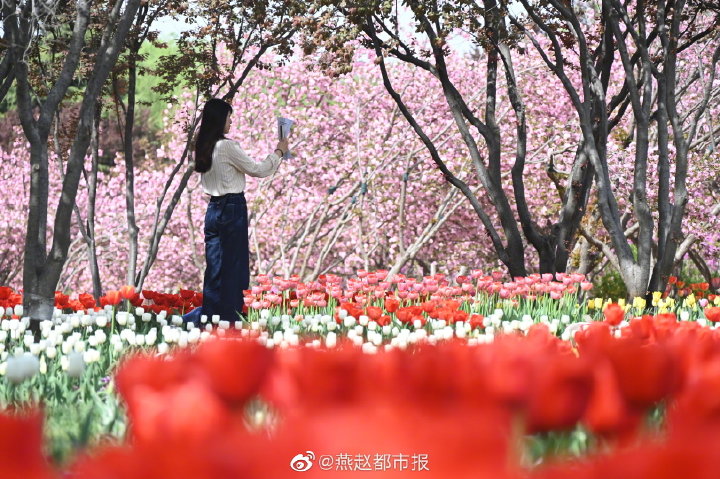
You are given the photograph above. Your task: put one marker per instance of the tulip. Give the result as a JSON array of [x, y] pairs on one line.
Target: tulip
[[713, 314], [127, 292], [614, 314]]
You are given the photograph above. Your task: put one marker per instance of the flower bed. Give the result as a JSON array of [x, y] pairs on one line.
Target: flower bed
[[476, 378]]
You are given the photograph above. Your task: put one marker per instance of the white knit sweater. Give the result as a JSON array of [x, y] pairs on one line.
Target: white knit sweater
[[230, 164]]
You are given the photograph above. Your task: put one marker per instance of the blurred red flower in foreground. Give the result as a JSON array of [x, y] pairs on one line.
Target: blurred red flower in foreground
[[21, 442], [465, 409]]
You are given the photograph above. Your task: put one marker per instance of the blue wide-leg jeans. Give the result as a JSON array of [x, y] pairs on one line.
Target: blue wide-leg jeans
[[227, 256]]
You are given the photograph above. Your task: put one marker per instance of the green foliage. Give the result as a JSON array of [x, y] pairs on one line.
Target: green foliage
[[610, 285], [147, 80]]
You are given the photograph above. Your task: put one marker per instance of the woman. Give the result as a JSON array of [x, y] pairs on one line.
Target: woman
[[223, 165]]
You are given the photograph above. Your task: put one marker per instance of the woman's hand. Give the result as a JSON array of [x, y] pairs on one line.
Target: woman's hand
[[282, 145]]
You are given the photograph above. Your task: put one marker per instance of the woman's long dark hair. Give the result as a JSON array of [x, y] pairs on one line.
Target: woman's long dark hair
[[212, 129]]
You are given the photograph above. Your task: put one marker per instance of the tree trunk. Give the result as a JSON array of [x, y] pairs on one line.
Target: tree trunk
[[43, 269]]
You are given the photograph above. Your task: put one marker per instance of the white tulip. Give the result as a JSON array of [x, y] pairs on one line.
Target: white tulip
[[101, 321], [91, 356], [18, 310], [163, 348], [349, 321]]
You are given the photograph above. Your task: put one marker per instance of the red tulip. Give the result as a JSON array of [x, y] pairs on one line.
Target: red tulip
[[127, 292], [646, 373], [560, 393], [112, 297], [235, 368], [713, 314], [607, 413], [5, 293], [374, 312], [614, 314], [21, 446], [87, 300], [186, 294], [391, 305]]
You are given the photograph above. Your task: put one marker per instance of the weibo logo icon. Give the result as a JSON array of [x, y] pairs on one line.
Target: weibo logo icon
[[302, 462]]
